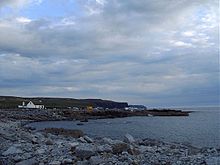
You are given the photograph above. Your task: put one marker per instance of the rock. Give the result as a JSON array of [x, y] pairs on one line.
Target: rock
[[34, 140], [31, 161], [129, 139], [213, 161], [65, 132], [49, 142], [55, 163], [212, 150], [41, 151], [119, 147], [108, 141], [88, 139], [84, 162], [12, 150], [26, 155], [133, 151], [96, 160], [82, 140], [17, 158], [67, 161], [73, 145], [104, 148], [85, 150]]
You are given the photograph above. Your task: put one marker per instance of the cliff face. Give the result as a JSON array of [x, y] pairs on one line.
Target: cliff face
[[13, 102], [107, 103]]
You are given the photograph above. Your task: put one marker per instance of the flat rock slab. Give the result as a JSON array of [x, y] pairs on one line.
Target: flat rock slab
[[85, 150], [31, 161], [12, 150]]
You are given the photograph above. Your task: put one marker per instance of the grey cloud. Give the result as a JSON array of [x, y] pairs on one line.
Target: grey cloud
[[125, 53], [13, 3]]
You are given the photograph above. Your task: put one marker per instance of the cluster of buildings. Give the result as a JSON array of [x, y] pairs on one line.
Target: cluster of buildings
[[136, 108], [31, 105]]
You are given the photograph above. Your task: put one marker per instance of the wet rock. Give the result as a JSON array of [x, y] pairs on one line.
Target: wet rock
[[12, 150], [85, 150], [129, 139], [31, 161]]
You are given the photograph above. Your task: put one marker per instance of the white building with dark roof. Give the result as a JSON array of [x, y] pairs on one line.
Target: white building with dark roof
[[31, 105]]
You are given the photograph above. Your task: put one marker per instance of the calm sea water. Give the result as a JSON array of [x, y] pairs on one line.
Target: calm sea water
[[201, 128]]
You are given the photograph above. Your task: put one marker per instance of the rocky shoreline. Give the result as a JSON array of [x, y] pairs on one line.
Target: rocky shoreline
[[22, 146], [69, 114]]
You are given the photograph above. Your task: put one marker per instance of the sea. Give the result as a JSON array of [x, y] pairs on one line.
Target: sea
[[200, 129]]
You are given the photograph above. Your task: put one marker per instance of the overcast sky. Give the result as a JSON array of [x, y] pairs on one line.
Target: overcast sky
[[152, 52]]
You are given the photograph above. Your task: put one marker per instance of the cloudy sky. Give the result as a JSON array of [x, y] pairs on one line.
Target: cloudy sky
[[152, 52]]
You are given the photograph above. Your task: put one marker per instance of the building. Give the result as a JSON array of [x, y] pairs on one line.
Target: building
[[135, 108], [30, 104]]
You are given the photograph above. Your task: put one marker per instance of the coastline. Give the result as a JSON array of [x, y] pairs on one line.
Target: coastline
[[20, 146]]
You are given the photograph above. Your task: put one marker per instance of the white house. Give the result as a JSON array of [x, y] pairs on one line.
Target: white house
[[30, 105]]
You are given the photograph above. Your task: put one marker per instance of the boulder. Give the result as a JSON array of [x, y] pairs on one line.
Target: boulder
[[73, 145], [17, 158], [96, 160], [67, 161], [40, 151], [129, 139], [108, 141], [31, 161], [65, 132], [88, 139], [49, 142], [85, 150], [84, 162], [82, 140], [55, 163], [133, 150], [34, 140], [104, 148], [12, 150], [212, 160], [117, 145]]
